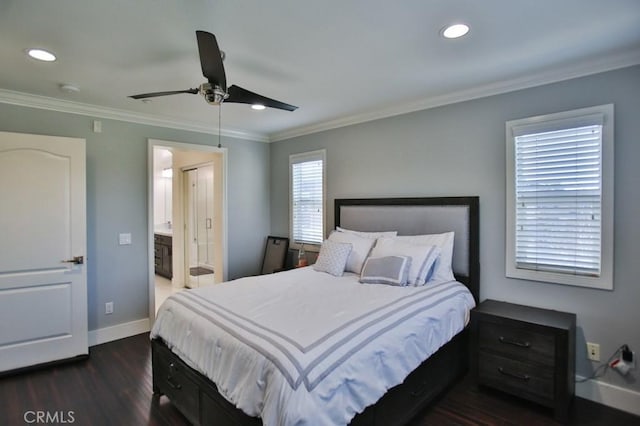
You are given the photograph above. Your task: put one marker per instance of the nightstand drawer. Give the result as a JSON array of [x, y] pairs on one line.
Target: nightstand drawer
[[526, 351], [519, 378], [517, 342]]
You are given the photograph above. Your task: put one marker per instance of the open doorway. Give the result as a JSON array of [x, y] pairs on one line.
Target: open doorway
[[162, 224], [187, 218]]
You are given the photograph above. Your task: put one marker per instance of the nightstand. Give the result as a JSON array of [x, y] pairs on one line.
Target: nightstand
[[525, 351]]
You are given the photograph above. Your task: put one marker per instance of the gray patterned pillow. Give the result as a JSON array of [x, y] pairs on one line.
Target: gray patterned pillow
[[333, 257], [392, 270]]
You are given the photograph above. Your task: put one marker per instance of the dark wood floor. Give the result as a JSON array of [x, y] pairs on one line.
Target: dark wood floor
[[113, 387]]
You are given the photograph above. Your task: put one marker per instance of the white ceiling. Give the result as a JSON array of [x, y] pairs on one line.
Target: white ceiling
[[339, 61]]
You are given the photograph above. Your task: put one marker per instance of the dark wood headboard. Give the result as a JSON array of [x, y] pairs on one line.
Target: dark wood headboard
[[415, 216]]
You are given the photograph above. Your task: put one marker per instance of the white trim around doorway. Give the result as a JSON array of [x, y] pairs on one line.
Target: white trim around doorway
[[157, 143]]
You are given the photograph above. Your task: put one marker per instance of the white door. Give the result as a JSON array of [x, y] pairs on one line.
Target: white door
[[199, 190], [43, 298]]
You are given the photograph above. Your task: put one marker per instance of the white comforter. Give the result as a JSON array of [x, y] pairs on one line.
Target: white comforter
[[305, 348]]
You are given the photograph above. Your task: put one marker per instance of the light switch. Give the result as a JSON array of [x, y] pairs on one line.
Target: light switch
[[97, 126], [125, 239]]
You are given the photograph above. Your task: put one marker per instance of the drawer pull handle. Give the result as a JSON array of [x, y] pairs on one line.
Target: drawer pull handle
[[523, 377], [176, 386], [514, 342], [172, 368]]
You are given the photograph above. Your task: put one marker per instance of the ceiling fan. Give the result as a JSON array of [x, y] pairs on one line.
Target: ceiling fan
[[215, 90]]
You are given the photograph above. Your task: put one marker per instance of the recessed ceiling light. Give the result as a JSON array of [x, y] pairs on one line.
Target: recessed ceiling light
[[41, 55], [69, 88], [455, 30], [258, 107]]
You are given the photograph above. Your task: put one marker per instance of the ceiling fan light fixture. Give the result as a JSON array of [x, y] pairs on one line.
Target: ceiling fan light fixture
[[41, 55], [258, 107], [455, 31]]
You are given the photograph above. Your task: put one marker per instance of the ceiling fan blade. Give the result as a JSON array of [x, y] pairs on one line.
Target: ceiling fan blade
[[155, 94], [211, 59], [243, 96]]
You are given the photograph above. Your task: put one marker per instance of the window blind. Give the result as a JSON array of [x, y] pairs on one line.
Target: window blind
[[307, 193], [558, 200]]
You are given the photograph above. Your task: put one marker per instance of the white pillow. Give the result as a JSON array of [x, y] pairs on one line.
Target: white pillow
[[391, 270], [443, 268], [430, 264], [373, 235], [419, 255], [332, 258], [361, 247]]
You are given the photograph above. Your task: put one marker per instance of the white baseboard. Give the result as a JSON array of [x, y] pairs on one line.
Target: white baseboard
[[610, 395], [120, 331]]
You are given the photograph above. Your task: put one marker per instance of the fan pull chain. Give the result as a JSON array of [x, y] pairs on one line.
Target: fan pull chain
[[219, 125]]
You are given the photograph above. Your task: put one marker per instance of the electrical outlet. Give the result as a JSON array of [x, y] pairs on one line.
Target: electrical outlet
[[108, 308], [593, 351]]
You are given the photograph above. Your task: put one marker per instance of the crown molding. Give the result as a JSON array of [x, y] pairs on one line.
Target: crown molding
[[575, 70], [60, 105]]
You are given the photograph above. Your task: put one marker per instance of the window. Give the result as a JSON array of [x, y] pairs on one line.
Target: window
[[560, 198], [306, 173]]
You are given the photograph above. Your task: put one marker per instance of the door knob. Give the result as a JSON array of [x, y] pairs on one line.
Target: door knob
[[77, 260]]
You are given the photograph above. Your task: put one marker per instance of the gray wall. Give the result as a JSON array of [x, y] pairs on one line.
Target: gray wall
[[117, 202], [459, 150]]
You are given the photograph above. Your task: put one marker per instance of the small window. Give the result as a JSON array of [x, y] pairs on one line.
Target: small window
[[560, 198], [307, 197]]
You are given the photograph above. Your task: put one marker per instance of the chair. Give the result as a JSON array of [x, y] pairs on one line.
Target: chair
[[275, 254]]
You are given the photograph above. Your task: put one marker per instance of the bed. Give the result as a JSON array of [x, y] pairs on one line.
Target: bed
[[295, 359]]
